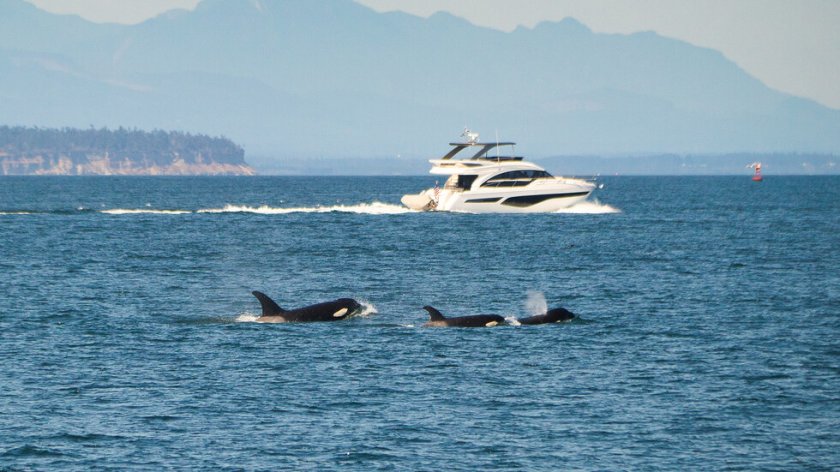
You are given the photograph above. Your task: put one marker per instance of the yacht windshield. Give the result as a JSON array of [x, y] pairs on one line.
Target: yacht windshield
[[516, 178]]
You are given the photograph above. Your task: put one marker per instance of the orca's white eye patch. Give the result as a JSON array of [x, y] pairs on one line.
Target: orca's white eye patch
[[340, 312], [491, 324]]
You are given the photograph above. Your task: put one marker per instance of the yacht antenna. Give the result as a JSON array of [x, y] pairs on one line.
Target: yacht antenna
[[497, 145]]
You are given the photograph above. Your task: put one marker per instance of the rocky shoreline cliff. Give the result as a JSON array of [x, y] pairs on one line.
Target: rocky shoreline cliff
[[36, 151]]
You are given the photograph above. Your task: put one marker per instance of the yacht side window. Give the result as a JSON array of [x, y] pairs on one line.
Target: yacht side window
[[516, 178], [459, 182]]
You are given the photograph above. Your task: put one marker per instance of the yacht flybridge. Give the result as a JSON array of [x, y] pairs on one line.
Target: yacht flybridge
[[490, 182]]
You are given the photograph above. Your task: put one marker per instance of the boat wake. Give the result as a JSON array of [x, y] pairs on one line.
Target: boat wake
[[123, 211], [375, 208], [587, 207]]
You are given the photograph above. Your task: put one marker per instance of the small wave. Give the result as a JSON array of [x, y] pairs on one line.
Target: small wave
[[42, 212], [29, 450], [375, 208], [368, 309], [511, 320], [247, 318], [87, 437], [125, 211], [587, 207]]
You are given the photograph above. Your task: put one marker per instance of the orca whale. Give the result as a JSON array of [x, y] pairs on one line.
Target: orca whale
[[436, 319], [328, 311], [551, 316]]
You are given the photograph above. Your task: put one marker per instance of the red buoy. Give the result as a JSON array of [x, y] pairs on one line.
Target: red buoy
[[757, 176]]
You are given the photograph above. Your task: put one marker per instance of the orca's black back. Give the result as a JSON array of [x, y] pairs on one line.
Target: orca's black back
[[323, 311]]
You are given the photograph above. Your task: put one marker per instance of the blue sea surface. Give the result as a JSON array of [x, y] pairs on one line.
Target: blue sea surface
[[708, 335]]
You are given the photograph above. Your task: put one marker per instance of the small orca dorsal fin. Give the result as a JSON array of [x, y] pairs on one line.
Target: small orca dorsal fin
[[268, 306], [434, 315]]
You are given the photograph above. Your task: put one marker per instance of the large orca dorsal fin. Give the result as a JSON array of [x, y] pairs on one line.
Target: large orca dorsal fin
[[268, 306], [434, 315]]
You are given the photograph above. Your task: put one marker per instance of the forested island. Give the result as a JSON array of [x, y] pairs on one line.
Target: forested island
[[69, 151]]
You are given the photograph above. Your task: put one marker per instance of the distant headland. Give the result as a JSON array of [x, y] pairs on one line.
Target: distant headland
[[68, 151]]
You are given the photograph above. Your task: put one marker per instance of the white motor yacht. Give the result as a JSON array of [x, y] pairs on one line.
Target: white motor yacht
[[490, 182]]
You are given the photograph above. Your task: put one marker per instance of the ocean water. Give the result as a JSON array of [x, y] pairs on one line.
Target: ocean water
[[708, 335]]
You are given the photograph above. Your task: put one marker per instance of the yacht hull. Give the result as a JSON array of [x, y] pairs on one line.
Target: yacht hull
[[525, 201]]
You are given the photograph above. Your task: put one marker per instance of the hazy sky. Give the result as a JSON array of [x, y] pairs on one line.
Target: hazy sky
[[791, 45]]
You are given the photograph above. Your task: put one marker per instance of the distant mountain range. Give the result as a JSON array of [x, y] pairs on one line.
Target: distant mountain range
[[334, 79]]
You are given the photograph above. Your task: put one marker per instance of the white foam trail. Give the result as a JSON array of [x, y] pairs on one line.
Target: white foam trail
[[247, 318], [125, 211], [264, 210], [15, 212], [374, 208], [587, 207], [368, 309], [511, 320], [535, 303]]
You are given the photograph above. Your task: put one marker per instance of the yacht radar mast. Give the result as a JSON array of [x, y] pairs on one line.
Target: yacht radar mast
[[472, 136]]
